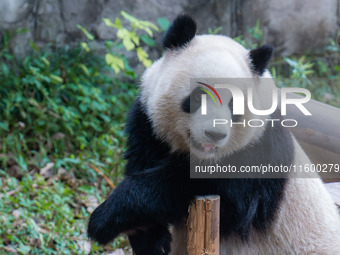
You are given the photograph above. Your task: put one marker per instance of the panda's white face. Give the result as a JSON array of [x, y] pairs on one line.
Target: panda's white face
[[166, 85], [205, 139], [210, 136]]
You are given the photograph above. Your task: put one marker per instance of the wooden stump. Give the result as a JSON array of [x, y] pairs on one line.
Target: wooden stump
[[204, 226]]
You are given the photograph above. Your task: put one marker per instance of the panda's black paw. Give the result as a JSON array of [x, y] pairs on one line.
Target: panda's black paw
[[101, 228], [153, 241]]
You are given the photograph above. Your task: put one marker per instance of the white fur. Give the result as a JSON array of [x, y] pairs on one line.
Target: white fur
[[167, 82], [307, 221]]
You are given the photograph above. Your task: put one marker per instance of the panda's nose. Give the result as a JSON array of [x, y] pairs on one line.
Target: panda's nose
[[215, 136]]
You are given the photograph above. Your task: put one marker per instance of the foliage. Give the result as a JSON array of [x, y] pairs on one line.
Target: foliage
[[300, 68], [317, 74], [303, 71], [255, 40], [42, 216], [62, 115], [57, 106], [130, 39], [214, 31], [314, 74], [63, 110]]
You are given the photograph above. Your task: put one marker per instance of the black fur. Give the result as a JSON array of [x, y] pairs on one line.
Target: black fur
[[185, 106], [157, 190], [155, 240], [191, 103], [260, 58], [181, 31], [139, 129], [234, 117]]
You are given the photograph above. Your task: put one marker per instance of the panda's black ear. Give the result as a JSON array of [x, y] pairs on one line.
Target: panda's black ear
[[260, 58], [180, 32]]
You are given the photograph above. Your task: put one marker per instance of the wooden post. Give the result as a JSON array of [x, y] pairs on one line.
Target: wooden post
[[204, 226], [212, 225]]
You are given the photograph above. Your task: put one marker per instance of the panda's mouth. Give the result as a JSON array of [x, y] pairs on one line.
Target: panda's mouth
[[206, 147]]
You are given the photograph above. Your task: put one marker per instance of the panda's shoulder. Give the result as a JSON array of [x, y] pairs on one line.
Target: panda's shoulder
[[144, 149]]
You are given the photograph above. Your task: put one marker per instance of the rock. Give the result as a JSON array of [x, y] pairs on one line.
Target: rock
[[58, 136], [14, 171], [13, 11], [85, 246], [327, 97], [16, 214], [91, 203], [293, 27], [117, 252], [49, 24], [47, 171]]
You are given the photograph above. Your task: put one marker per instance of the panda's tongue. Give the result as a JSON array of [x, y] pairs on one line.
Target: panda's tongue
[[208, 147]]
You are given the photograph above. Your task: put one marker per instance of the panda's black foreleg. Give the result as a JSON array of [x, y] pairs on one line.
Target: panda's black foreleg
[[154, 240], [149, 200]]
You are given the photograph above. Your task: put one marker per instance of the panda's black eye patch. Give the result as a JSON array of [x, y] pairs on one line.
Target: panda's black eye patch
[[193, 102], [233, 116], [186, 105]]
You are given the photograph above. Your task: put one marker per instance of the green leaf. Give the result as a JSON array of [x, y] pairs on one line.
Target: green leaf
[[147, 40], [128, 17], [125, 35], [290, 61], [116, 63], [148, 30], [45, 60], [109, 23], [56, 78], [163, 23], [118, 22], [34, 46], [143, 57], [84, 68], [85, 46], [4, 126], [144, 24], [24, 249], [215, 31], [22, 163], [86, 33], [87, 189], [5, 69], [72, 160], [134, 37], [21, 30], [128, 44]]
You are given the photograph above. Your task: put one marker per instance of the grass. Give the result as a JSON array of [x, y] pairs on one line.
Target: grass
[[48, 215], [62, 115]]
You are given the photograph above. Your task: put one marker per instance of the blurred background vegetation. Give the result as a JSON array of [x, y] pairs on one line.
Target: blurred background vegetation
[[62, 114]]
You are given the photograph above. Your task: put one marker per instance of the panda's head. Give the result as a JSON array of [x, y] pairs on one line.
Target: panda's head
[[171, 91]]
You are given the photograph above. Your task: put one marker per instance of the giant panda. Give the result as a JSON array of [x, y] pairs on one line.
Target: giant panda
[[287, 215]]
